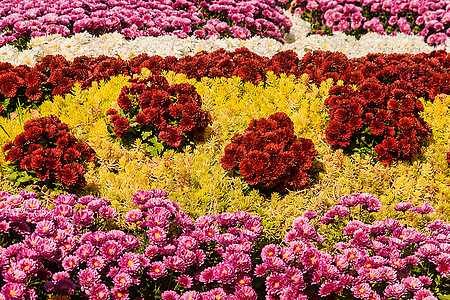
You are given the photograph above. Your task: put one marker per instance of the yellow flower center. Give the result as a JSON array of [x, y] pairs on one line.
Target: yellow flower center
[[130, 263], [157, 270], [224, 272], [157, 235]]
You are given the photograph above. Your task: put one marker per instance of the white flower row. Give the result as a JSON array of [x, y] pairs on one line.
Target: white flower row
[[298, 40]]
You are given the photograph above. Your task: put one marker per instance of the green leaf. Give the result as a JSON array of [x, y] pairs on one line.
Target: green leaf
[[146, 134], [13, 176], [24, 179]]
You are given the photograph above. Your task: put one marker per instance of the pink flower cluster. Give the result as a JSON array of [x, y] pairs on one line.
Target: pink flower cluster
[[213, 253], [382, 260], [76, 250], [429, 19], [240, 19]]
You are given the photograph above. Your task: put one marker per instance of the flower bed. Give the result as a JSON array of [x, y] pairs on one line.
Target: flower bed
[[428, 19], [223, 174], [68, 250], [24, 19]]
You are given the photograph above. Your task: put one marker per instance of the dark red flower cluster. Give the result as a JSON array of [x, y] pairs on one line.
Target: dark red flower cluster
[[47, 148], [171, 112], [448, 158], [243, 63], [384, 117], [426, 74], [85, 70], [269, 156], [19, 81]]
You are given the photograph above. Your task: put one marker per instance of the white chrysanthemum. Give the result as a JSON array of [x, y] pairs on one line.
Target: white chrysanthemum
[[28, 57], [8, 53], [299, 40]]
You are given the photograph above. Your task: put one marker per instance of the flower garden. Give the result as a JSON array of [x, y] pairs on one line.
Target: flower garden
[[224, 149]]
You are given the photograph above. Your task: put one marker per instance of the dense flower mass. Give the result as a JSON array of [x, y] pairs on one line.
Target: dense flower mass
[[64, 251], [20, 20], [428, 19], [382, 260], [269, 156], [46, 149], [162, 115]]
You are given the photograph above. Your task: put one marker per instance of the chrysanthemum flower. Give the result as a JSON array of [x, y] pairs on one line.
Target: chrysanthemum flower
[[122, 281], [107, 212], [88, 277], [157, 269], [170, 295], [395, 290], [275, 282], [412, 284], [133, 216], [329, 287], [175, 263], [96, 262], [422, 294], [99, 292], [130, 262], [45, 228], [185, 280], [119, 294], [270, 250], [31, 204], [15, 275], [64, 286], [403, 206], [245, 292], [85, 251], [362, 290], [224, 273], [129, 242], [187, 242], [207, 275], [13, 290], [27, 265], [70, 263], [83, 217], [275, 264], [157, 235], [190, 295]]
